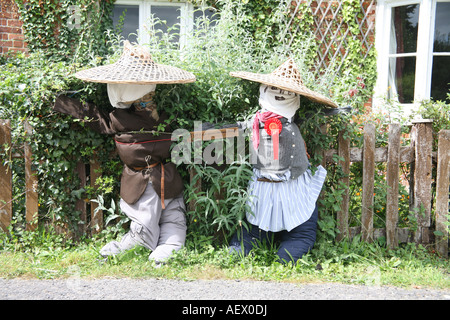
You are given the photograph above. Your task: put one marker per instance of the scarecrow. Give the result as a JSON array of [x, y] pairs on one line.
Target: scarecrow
[[283, 189], [151, 188]]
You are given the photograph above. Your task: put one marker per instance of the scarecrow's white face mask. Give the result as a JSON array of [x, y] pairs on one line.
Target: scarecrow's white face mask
[[282, 102], [122, 96]]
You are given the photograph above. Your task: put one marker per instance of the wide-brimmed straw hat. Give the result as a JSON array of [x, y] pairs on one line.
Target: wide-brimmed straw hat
[[135, 66], [286, 77]]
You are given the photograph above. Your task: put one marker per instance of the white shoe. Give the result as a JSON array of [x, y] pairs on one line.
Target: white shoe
[[113, 248]]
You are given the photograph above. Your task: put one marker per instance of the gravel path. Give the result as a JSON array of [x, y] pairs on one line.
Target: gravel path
[[163, 289]]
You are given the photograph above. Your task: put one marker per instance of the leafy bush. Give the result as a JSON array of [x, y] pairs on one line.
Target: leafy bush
[[28, 88], [236, 39], [212, 50]]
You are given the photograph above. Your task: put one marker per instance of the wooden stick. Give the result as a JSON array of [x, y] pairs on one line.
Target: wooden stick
[[442, 192], [392, 180], [5, 179], [31, 184], [368, 183]]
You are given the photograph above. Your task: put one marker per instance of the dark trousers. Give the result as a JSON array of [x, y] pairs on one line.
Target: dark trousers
[[293, 244]]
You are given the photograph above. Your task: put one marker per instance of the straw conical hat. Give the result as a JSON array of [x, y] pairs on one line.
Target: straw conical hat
[[135, 66], [286, 77]]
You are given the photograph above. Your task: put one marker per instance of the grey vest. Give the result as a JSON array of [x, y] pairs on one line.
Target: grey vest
[[291, 151]]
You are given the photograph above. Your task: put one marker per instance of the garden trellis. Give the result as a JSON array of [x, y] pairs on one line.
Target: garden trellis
[[334, 33]]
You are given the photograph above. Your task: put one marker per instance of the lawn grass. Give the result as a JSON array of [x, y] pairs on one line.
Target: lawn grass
[[348, 263]]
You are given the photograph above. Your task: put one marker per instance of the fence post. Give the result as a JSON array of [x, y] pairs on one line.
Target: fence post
[[422, 139], [392, 180], [342, 215], [368, 182], [442, 192], [5, 179], [96, 218], [31, 184], [80, 205]]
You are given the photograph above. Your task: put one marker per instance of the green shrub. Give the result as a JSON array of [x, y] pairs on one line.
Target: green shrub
[[238, 39]]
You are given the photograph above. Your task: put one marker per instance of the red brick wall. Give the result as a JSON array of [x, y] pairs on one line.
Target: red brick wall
[[11, 35]]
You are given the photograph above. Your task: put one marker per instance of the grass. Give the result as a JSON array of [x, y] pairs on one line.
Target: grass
[[347, 262]]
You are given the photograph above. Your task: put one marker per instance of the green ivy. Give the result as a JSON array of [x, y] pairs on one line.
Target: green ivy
[[250, 36], [29, 85], [64, 29], [28, 88]]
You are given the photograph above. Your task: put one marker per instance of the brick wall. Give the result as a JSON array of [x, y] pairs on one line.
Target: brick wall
[[11, 35]]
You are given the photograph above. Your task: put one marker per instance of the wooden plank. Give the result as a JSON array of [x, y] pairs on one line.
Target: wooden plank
[[342, 215], [442, 192], [80, 205], [31, 184], [422, 139], [211, 134], [392, 180], [381, 154], [96, 217], [368, 182], [5, 179]]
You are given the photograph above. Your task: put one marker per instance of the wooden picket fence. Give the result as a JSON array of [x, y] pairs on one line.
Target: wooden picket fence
[[31, 182], [85, 172], [419, 154]]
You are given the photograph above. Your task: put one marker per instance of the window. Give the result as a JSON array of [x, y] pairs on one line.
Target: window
[[413, 44], [178, 16], [130, 15]]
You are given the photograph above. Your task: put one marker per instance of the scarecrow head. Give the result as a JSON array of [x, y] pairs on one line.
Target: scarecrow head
[[280, 90], [133, 78]]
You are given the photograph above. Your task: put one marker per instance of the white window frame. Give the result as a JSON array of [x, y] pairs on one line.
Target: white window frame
[[186, 16], [424, 54]]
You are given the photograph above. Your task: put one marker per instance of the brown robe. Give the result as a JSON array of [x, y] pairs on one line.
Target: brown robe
[[143, 154]]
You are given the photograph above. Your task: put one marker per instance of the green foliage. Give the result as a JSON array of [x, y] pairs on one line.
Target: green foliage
[[64, 29], [45, 255], [245, 35], [222, 203], [237, 40], [439, 112], [248, 36], [218, 98], [28, 88]]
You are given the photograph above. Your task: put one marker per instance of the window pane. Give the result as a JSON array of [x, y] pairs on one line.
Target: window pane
[[440, 78], [131, 20], [405, 21], [442, 27], [171, 16], [401, 79]]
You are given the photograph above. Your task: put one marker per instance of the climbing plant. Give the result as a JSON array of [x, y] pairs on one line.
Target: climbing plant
[[64, 29], [241, 42], [29, 85], [249, 35]]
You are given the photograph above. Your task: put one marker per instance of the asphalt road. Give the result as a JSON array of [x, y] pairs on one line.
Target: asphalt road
[[163, 289]]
